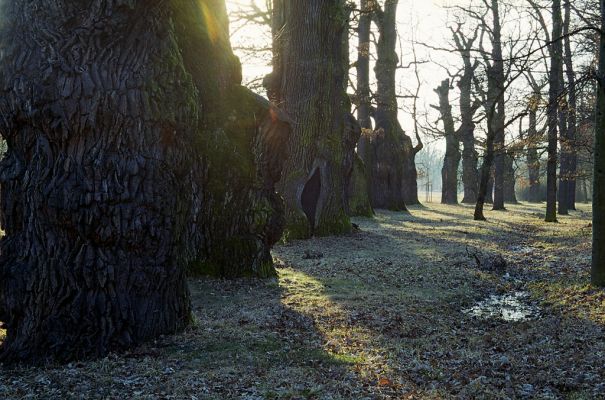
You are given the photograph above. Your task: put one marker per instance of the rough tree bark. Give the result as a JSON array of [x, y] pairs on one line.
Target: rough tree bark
[[308, 82], [451, 161], [556, 53], [111, 120], [598, 197], [390, 154]]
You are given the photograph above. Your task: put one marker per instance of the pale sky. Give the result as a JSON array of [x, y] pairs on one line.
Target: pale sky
[[419, 21]]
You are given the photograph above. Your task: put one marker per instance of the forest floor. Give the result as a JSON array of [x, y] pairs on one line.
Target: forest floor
[[411, 306]]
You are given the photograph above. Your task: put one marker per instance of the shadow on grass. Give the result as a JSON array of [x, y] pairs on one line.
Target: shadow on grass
[[392, 295]]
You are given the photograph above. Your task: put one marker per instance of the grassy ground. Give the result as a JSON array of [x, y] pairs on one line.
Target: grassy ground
[[377, 314]]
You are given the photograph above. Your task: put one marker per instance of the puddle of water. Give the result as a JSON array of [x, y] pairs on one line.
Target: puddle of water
[[510, 307], [522, 249]]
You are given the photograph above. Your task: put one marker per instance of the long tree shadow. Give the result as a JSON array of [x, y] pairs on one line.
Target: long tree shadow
[[394, 301], [244, 343]]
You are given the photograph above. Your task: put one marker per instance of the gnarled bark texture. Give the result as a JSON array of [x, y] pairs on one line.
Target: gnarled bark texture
[[308, 81], [115, 116]]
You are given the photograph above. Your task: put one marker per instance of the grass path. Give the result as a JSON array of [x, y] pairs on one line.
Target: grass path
[[377, 314]]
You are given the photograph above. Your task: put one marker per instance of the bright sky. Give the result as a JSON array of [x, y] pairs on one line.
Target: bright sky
[[419, 21]]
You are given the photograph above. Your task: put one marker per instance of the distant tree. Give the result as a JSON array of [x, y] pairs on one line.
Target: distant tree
[[533, 139], [598, 199], [451, 161], [468, 108], [133, 154]]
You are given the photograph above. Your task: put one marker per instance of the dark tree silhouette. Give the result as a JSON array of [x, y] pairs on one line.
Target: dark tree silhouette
[[451, 161], [390, 157], [598, 197], [554, 81]]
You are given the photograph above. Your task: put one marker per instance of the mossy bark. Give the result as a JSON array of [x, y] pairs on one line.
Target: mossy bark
[[309, 82], [121, 171], [359, 191]]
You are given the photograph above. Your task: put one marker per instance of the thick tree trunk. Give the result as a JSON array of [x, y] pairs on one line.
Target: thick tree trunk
[[386, 155], [555, 50], [598, 196], [308, 82], [391, 166], [451, 161], [499, 116], [533, 159], [111, 119]]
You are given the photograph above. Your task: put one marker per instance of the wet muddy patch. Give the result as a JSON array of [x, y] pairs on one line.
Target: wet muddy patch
[[510, 307]]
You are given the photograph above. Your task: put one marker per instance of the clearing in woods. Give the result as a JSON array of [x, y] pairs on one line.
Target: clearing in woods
[[413, 305]]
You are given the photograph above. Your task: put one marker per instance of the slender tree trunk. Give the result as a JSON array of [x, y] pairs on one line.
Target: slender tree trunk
[[485, 188], [565, 158], [108, 119], [598, 195], [572, 156], [533, 159], [499, 115], [451, 162], [363, 66], [308, 82], [470, 157], [359, 189], [553, 99]]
